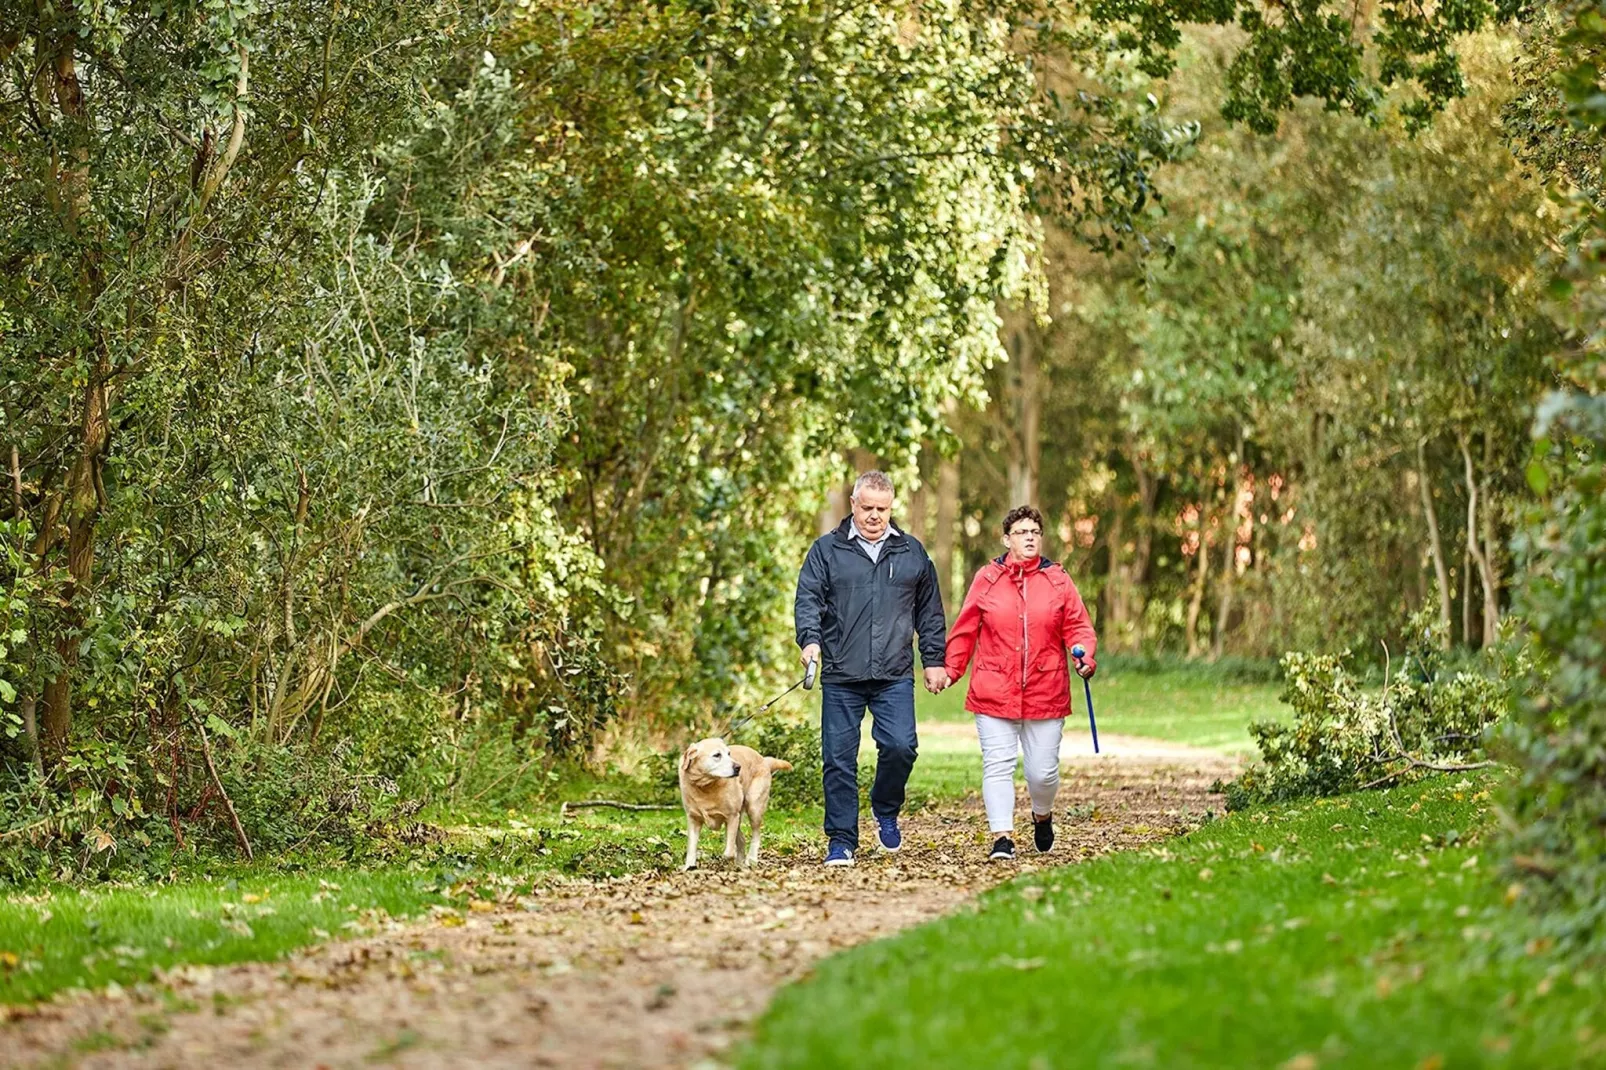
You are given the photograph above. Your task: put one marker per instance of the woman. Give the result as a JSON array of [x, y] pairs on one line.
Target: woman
[[1021, 616]]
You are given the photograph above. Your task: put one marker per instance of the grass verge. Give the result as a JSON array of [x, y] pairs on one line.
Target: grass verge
[[1352, 932], [68, 937], [1174, 705]]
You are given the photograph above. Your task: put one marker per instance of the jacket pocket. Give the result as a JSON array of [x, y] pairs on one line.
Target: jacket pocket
[[1050, 667]]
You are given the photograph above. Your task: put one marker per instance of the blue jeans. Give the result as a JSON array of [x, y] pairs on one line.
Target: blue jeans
[[892, 705]]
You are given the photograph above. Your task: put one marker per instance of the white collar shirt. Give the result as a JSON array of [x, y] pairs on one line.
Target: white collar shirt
[[871, 548]]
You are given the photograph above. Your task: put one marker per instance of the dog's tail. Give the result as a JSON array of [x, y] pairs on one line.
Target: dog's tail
[[778, 764]]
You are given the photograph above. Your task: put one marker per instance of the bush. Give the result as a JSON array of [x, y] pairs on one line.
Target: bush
[[1344, 738], [291, 798], [1557, 739], [799, 743]]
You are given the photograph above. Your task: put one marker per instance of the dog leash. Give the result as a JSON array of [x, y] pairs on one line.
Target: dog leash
[[807, 683]]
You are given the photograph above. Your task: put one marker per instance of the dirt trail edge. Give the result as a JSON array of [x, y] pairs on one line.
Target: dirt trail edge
[[652, 970]]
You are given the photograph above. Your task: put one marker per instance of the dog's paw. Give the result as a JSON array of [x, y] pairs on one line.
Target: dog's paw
[[688, 867]]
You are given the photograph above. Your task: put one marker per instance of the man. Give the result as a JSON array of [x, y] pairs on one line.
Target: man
[[864, 591]]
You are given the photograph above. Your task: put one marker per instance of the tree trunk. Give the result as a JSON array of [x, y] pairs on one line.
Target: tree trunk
[[1116, 594], [1196, 602], [914, 514], [27, 705], [1026, 406], [1441, 571], [942, 540], [81, 506], [1491, 605], [30, 725], [1229, 555], [1466, 597], [1491, 549], [1143, 545]]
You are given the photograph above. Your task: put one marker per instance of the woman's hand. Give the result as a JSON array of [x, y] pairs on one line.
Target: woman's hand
[[1085, 668]]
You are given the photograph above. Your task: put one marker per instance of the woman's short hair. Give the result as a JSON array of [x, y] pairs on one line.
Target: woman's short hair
[[1019, 513]]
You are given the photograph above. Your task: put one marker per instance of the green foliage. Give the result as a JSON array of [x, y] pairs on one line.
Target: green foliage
[[799, 743], [1557, 843], [1343, 738]]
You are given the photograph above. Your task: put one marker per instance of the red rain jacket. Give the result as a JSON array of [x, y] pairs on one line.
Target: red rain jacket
[[1020, 622]]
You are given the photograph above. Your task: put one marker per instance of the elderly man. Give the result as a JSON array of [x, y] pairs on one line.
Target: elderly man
[[864, 592]]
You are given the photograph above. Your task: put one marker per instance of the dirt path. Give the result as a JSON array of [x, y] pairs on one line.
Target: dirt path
[[648, 971]]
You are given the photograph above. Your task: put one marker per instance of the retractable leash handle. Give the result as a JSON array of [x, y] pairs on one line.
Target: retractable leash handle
[[1078, 652], [810, 671]]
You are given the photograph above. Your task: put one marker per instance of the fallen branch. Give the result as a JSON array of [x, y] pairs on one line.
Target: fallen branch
[[228, 804], [563, 809], [1412, 762]]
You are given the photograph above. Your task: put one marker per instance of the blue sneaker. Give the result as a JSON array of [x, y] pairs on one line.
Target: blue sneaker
[[840, 854], [887, 832]]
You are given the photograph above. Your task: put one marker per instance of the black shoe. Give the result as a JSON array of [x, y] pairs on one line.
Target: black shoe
[[1043, 834], [1003, 848]]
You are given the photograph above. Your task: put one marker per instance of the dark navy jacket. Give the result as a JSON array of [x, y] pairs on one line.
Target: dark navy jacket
[[863, 613]]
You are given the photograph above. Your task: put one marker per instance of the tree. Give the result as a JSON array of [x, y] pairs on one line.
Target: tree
[[160, 164]]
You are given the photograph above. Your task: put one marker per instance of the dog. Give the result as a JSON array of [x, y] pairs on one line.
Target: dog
[[718, 784]]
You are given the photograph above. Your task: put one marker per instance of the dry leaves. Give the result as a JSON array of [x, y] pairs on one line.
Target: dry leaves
[[648, 970]]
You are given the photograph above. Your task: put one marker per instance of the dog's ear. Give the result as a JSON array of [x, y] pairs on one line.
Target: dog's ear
[[689, 757]]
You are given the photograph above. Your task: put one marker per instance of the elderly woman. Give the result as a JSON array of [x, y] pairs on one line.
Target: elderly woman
[[1020, 618]]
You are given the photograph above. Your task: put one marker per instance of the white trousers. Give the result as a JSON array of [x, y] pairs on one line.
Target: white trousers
[[1002, 741]]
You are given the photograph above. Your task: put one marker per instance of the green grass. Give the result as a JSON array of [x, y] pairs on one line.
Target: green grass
[[1174, 705], [1355, 932], [64, 937]]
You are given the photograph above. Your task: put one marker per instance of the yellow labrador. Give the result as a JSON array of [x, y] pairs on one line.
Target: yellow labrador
[[718, 784]]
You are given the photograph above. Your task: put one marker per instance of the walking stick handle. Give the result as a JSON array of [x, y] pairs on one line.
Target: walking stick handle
[[1079, 652]]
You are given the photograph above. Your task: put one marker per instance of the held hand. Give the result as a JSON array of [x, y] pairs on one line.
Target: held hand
[[936, 680], [1086, 668], [811, 653]]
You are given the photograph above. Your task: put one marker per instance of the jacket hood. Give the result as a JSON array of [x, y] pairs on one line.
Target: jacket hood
[[1043, 563]]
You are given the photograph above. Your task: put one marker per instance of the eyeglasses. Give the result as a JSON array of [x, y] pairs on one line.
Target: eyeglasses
[[1027, 531]]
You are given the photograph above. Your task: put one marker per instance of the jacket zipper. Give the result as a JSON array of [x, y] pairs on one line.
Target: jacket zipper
[[1025, 633]]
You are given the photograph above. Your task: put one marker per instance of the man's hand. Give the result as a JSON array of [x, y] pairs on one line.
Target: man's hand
[[811, 653], [1086, 668], [937, 680]]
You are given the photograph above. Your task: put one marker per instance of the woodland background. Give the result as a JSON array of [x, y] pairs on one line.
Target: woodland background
[[408, 399]]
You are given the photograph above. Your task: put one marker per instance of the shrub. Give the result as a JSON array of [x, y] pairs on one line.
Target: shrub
[[1344, 738], [1557, 739], [799, 743]]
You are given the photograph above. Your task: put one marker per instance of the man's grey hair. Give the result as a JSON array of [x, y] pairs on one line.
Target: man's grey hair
[[875, 480]]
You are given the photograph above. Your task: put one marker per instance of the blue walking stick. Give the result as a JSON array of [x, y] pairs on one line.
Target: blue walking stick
[[1079, 653]]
